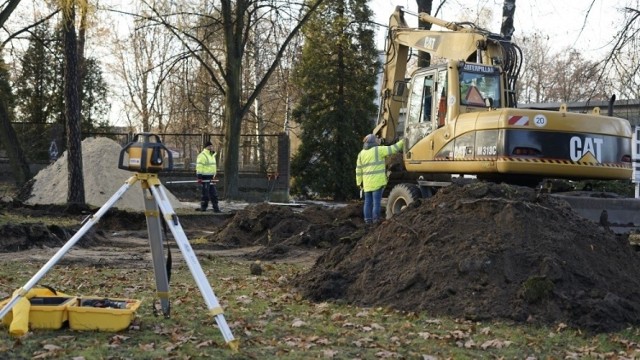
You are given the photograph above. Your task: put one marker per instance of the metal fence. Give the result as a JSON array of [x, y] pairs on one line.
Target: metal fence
[[263, 163], [43, 143], [258, 153]]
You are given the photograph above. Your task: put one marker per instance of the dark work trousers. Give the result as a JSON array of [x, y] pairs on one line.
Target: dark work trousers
[[209, 193]]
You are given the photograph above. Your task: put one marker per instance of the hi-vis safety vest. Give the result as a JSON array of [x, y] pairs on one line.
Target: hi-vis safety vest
[[206, 163], [370, 167]]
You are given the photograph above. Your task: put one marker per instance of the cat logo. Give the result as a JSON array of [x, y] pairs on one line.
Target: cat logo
[[587, 150], [429, 42]]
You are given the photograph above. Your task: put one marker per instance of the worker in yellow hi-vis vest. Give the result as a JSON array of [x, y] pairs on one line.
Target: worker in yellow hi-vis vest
[[206, 172], [371, 174]]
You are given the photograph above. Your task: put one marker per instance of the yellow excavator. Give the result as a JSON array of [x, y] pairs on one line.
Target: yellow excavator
[[461, 118]]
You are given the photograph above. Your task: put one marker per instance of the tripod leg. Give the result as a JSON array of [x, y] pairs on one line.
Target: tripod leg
[[88, 223], [156, 241], [192, 261]]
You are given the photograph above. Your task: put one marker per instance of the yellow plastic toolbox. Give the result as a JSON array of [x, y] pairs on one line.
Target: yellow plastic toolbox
[[46, 312], [102, 314]]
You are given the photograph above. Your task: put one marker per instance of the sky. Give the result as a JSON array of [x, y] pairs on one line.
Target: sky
[[561, 20]]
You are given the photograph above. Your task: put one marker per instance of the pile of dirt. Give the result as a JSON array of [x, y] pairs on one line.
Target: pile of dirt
[[22, 233], [102, 179], [282, 228], [19, 237], [486, 251]]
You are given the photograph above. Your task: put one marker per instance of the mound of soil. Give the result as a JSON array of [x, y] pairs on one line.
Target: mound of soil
[[22, 235], [281, 228], [486, 251], [101, 175], [18, 237]]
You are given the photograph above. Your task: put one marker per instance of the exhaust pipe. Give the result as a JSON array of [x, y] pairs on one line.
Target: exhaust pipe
[[610, 107]]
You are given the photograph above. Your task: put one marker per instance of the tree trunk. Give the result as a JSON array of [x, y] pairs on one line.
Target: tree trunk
[[425, 6], [75, 194], [508, 9], [233, 112], [233, 117]]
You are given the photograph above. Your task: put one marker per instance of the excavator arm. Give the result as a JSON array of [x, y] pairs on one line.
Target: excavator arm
[[458, 42]]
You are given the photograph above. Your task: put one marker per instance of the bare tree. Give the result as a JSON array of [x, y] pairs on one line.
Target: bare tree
[[538, 63], [575, 78], [144, 60], [234, 20], [623, 58], [562, 76]]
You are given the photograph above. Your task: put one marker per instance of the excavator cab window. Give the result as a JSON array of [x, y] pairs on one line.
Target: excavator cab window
[[427, 101], [419, 121], [480, 89], [421, 99]]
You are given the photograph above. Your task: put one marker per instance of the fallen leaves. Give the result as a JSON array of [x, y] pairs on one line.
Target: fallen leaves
[[147, 346], [298, 323], [244, 299], [373, 327], [387, 354], [117, 340], [206, 343], [51, 350], [330, 354], [495, 343]]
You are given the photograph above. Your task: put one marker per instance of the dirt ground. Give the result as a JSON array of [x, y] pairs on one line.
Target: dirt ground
[[480, 251]]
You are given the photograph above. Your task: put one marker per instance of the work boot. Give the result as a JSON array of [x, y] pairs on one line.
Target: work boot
[[203, 206], [368, 225], [216, 209]]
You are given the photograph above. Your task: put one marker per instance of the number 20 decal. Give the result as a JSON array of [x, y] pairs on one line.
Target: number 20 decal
[[540, 120]]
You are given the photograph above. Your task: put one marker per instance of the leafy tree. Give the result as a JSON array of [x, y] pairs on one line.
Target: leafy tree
[[337, 75], [35, 84], [39, 90], [94, 96], [19, 165], [35, 89], [92, 88], [17, 160]]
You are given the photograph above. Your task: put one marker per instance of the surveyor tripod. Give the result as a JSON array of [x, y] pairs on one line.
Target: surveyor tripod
[[156, 204]]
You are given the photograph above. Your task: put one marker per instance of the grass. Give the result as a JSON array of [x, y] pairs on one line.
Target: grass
[[8, 189], [271, 320]]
